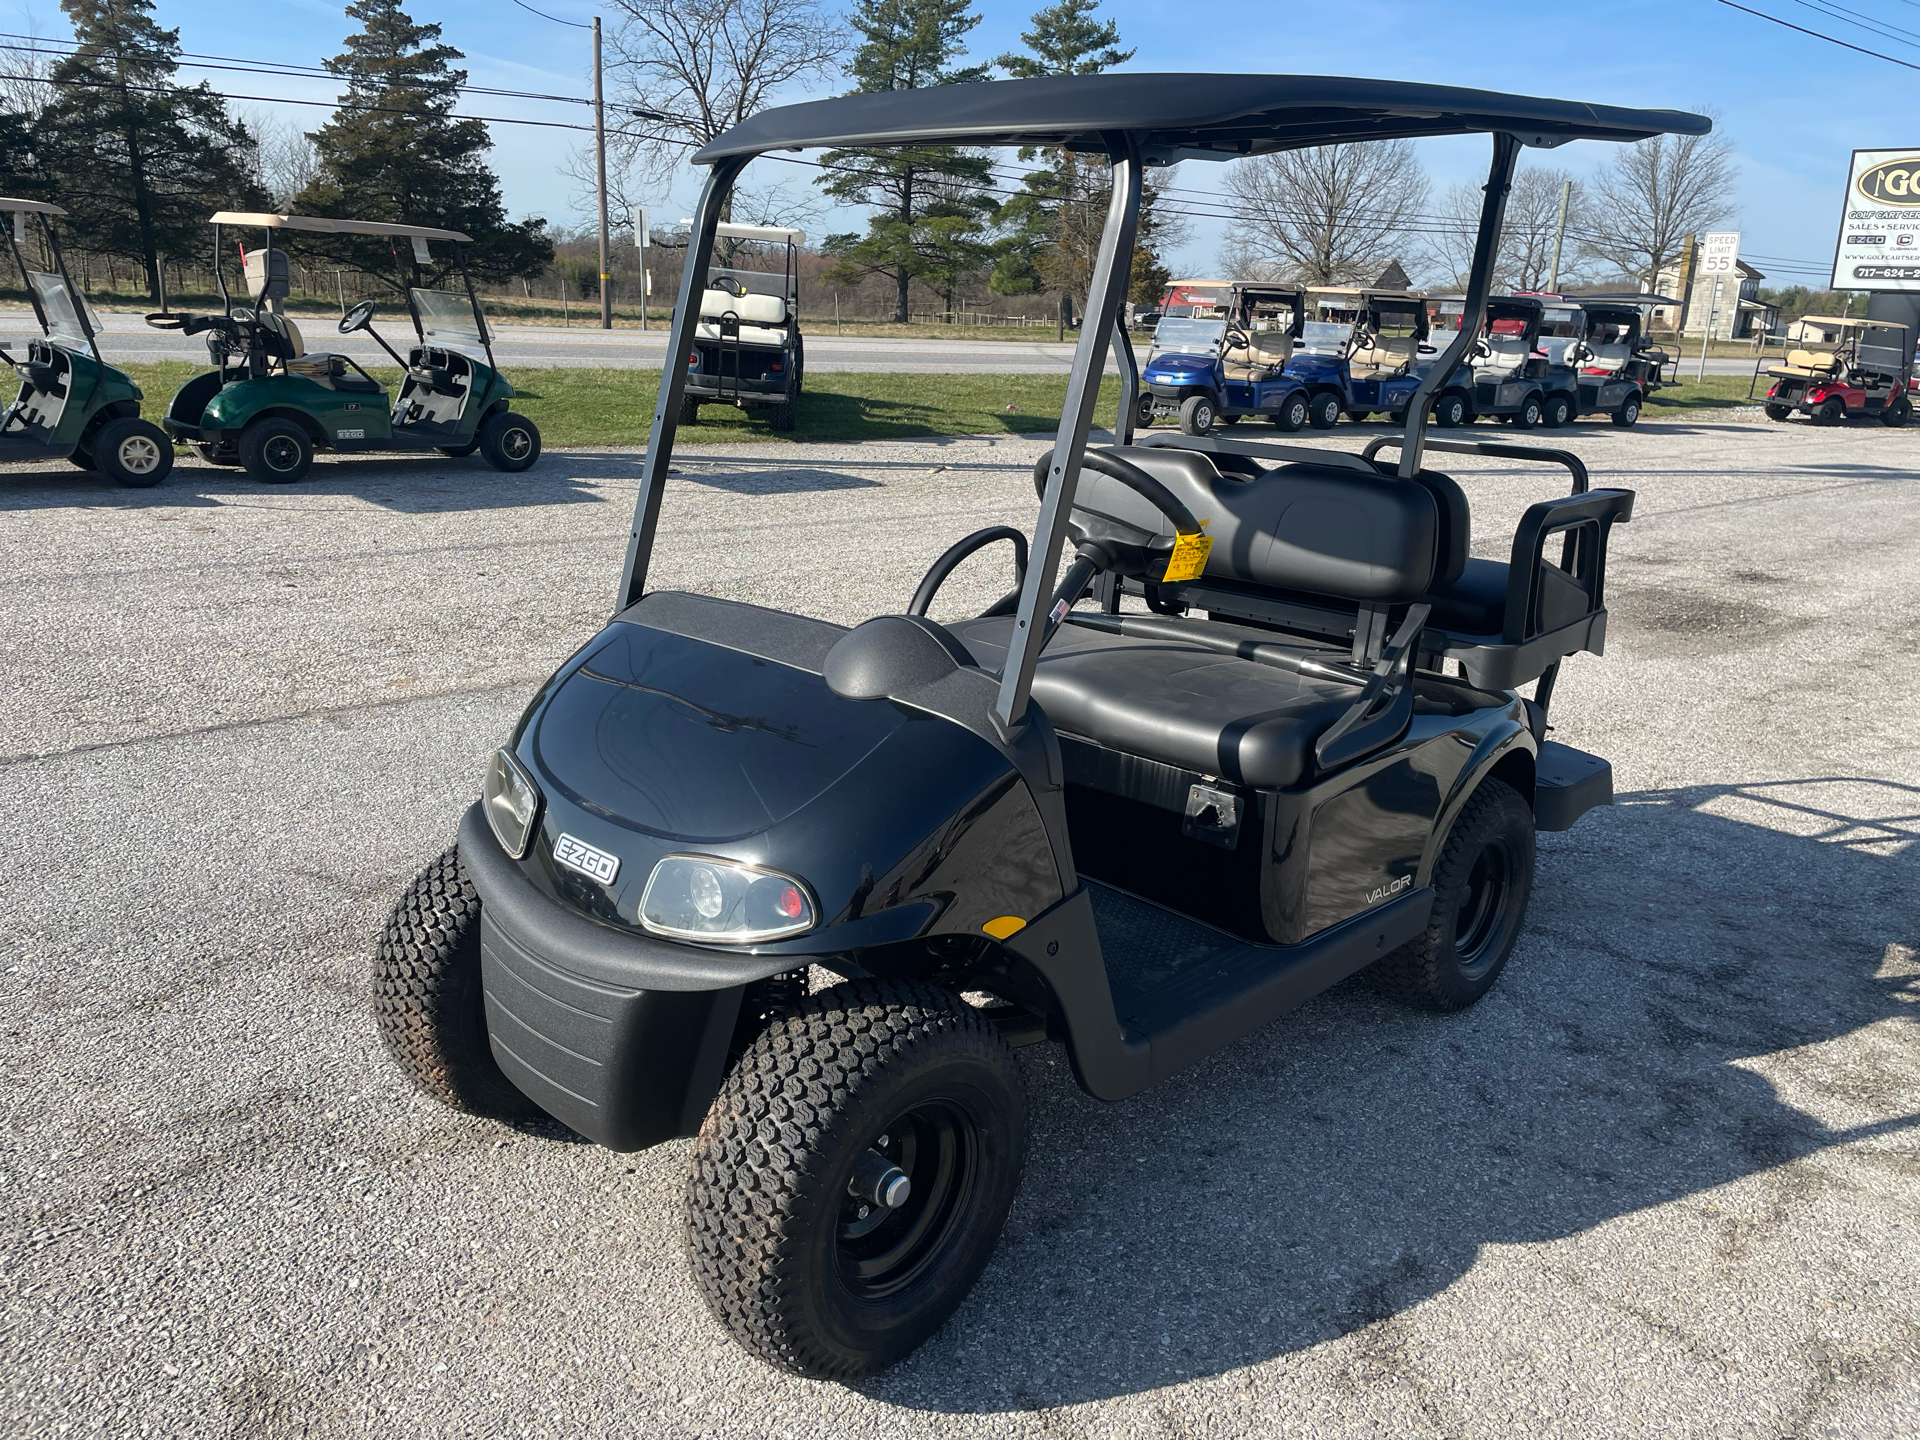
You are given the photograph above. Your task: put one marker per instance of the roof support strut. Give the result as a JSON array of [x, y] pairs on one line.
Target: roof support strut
[[673, 376], [1111, 270], [1486, 249]]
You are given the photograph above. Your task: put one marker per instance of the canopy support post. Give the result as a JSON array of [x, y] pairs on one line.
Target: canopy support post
[[1129, 382], [1486, 249], [1111, 270], [673, 376]]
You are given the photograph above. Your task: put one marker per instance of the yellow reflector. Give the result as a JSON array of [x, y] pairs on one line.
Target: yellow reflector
[[1004, 925]]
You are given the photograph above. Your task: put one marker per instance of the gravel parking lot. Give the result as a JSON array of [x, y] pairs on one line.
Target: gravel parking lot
[[1663, 1182]]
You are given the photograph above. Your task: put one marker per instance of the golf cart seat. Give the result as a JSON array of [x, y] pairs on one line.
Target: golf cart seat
[[1805, 364], [1269, 352], [762, 318], [1382, 357], [280, 335]]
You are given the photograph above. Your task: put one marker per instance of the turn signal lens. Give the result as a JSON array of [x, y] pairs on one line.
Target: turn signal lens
[[512, 801], [695, 897]]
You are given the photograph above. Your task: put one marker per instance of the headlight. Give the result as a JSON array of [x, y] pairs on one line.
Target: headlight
[[511, 801], [694, 898]]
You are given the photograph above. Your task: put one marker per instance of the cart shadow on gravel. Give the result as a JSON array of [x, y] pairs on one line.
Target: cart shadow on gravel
[[1350, 1162], [406, 484]]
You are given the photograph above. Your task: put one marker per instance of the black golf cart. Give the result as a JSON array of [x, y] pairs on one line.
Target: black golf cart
[[1617, 364], [1280, 744], [71, 406], [1506, 375], [748, 352], [267, 404]]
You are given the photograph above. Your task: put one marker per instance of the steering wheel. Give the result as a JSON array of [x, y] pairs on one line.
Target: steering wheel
[[1482, 348], [358, 318], [1234, 340], [732, 286], [165, 320]]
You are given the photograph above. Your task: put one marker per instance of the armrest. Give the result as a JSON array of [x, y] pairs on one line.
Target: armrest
[[1586, 521], [1494, 449]]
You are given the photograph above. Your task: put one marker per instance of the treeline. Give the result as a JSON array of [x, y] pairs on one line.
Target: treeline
[[140, 160]]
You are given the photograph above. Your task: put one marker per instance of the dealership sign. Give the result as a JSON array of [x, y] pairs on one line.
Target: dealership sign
[[1879, 245]]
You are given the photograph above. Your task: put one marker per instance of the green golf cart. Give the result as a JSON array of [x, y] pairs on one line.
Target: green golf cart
[[71, 406], [268, 403]]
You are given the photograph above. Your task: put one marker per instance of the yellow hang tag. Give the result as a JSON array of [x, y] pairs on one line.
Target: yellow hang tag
[[1189, 558]]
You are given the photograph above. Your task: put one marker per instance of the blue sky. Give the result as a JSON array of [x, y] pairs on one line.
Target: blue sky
[[1794, 105]]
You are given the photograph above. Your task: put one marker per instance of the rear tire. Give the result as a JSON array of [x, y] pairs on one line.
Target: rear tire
[[135, 453], [275, 451], [459, 452], [1197, 414], [1779, 412], [1897, 412], [689, 412], [1450, 412], [782, 418], [509, 442], [1323, 411], [1291, 416], [427, 999], [81, 458], [1831, 412], [1628, 415], [1557, 412], [1480, 888], [778, 1244]]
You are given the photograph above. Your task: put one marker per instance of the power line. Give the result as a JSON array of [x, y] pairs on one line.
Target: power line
[[1850, 17], [555, 18], [1844, 45]]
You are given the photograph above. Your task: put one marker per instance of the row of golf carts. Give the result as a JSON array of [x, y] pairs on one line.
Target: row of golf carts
[[268, 403], [1295, 357]]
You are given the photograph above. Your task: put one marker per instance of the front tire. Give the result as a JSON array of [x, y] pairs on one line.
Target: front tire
[[427, 999], [1143, 413], [1528, 415], [1557, 412], [275, 451], [1481, 884], [1323, 411], [133, 452], [1450, 412], [1197, 414], [509, 442], [862, 1082]]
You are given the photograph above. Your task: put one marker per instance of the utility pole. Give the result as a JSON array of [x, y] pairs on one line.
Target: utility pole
[[1559, 235], [600, 173]]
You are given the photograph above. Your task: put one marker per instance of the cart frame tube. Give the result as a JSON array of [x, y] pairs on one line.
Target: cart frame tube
[[1111, 271], [673, 378], [1473, 312], [26, 281]]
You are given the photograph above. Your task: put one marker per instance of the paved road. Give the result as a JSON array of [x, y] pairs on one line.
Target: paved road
[[1662, 1182], [129, 339]]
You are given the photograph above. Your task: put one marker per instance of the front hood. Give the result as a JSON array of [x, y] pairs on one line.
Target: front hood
[[694, 743], [1178, 367]]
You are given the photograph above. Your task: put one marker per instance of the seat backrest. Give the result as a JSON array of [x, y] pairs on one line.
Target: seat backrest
[[1272, 347], [1810, 359], [1385, 352], [752, 309], [1321, 529]]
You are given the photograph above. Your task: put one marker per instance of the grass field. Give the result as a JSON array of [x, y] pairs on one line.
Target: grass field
[[615, 407]]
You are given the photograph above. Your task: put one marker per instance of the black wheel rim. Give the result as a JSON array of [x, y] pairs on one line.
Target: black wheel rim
[[281, 453], [1479, 919], [880, 1254]]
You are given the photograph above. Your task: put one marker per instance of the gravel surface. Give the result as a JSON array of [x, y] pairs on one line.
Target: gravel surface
[[1662, 1182]]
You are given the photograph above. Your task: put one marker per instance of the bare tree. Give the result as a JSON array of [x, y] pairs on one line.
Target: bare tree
[[284, 160], [1330, 215], [700, 67], [24, 69], [1526, 243], [1652, 196]]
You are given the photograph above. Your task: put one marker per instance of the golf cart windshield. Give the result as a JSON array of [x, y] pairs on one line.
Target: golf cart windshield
[[447, 318], [1326, 337], [62, 309], [1561, 328], [1194, 336]]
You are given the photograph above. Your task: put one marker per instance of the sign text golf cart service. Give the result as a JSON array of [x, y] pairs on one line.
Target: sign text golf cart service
[[1879, 247]]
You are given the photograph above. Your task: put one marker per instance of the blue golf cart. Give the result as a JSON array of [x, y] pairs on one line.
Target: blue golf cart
[[1359, 357], [1204, 371]]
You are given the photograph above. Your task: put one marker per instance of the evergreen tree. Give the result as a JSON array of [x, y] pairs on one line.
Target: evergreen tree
[[137, 160], [932, 216], [394, 151], [1051, 230]]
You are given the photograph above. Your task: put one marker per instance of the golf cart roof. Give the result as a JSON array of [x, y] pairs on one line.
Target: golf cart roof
[[1185, 116], [321, 225], [1856, 323], [1625, 297], [1367, 291], [32, 207], [773, 234]]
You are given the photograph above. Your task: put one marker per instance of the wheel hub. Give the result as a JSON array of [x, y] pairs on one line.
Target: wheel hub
[[905, 1198]]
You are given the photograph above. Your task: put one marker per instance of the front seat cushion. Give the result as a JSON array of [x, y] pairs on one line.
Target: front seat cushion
[[1195, 709]]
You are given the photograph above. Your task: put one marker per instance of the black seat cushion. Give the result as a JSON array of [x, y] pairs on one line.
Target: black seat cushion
[[1476, 603], [1249, 723]]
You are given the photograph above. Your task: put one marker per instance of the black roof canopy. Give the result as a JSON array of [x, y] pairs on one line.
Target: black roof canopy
[[1185, 116]]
